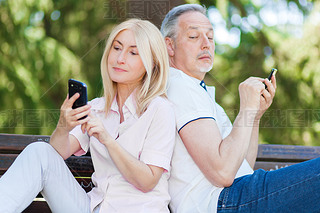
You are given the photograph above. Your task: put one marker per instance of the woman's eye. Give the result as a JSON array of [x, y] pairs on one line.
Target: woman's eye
[[133, 53], [116, 47]]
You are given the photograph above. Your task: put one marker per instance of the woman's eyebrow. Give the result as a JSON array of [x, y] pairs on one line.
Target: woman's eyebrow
[[122, 44], [119, 42]]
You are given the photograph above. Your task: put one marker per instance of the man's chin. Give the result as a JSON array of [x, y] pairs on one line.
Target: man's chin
[[206, 69]]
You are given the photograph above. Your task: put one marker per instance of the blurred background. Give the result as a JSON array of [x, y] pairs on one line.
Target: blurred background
[[44, 43]]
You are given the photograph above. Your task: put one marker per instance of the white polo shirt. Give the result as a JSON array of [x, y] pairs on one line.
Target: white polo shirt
[[189, 189], [149, 138]]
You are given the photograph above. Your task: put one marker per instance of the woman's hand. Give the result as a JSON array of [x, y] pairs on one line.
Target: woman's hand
[[69, 118], [95, 127], [66, 144]]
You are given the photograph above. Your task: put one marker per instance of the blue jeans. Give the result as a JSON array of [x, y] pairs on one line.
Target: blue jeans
[[292, 189]]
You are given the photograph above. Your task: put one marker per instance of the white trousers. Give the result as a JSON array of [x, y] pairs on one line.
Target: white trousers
[[40, 168]]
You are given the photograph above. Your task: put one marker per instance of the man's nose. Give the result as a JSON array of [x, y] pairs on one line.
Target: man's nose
[[205, 42]]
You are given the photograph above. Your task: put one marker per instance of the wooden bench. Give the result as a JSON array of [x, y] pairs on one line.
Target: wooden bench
[[270, 157]]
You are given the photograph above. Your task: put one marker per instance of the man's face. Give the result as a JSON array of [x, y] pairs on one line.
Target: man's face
[[193, 47]]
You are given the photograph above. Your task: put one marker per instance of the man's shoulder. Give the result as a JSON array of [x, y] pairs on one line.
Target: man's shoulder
[[178, 81], [178, 75]]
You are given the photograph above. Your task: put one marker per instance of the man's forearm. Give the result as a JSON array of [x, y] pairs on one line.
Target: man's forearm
[[253, 147], [235, 147]]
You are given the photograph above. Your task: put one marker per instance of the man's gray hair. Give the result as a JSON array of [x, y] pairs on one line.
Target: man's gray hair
[[169, 23]]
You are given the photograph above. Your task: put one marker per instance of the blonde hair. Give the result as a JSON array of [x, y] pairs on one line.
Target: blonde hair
[[153, 52]]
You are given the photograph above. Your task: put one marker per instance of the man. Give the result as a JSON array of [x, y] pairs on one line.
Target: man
[[213, 159]]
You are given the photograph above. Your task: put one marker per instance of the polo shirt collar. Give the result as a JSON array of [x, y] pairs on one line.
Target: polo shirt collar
[[197, 81], [210, 89]]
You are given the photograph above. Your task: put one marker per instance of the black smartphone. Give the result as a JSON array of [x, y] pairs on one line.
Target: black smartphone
[[81, 88], [273, 72]]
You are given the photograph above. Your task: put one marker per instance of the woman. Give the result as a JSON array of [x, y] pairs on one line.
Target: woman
[[130, 133]]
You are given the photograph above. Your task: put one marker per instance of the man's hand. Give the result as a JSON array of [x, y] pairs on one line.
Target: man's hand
[[267, 96], [254, 96]]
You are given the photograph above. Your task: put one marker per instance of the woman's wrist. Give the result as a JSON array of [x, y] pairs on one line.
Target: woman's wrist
[[61, 130], [108, 141]]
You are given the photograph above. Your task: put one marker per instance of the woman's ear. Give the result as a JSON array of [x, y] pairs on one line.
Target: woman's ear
[[170, 46]]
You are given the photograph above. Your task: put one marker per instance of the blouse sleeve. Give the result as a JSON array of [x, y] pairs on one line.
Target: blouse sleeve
[[160, 139], [82, 138]]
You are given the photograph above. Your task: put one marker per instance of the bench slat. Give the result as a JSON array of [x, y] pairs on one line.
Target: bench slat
[[38, 206], [268, 152], [79, 166], [270, 166], [12, 142]]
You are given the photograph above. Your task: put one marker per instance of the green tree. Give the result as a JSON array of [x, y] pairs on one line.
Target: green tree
[[44, 43], [294, 116]]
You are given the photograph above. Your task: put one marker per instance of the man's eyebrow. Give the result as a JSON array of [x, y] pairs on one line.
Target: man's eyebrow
[[196, 28], [122, 44]]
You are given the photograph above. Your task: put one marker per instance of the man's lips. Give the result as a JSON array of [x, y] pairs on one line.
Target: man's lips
[[205, 57], [119, 69]]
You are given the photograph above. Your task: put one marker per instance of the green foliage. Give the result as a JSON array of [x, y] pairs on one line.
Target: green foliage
[[43, 44], [294, 117]]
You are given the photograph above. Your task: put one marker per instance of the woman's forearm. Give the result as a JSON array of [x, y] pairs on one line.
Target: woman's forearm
[[139, 174], [60, 142]]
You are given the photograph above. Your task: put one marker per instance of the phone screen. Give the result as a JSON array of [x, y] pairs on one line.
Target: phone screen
[[273, 72], [78, 87]]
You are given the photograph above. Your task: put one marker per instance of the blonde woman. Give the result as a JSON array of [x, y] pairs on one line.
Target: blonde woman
[[130, 132]]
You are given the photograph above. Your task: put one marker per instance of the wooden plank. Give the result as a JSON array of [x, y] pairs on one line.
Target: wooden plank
[[270, 166], [85, 183], [17, 143], [268, 152], [38, 206], [5, 161], [79, 166]]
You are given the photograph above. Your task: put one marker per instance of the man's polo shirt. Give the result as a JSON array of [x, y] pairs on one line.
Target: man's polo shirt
[[190, 191]]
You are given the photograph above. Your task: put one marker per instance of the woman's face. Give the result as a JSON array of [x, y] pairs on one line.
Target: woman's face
[[124, 62]]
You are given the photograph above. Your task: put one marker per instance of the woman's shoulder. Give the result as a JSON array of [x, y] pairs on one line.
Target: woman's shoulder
[[97, 103], [160, 102]]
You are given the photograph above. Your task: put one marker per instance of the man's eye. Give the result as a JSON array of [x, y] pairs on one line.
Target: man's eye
[[210, 38], [193, 37]]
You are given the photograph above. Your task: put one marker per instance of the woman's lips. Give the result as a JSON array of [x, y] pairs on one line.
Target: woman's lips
[[119, 69]]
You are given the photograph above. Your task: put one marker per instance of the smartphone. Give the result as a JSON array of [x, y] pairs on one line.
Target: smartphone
[[81, 88], [273, 72]]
